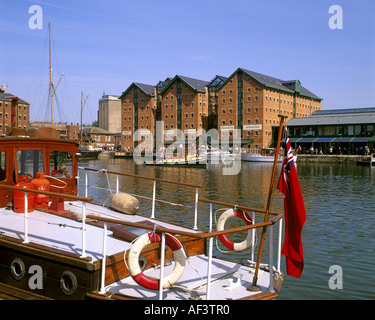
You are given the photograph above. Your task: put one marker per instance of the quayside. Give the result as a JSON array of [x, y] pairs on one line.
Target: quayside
[[57, 245]]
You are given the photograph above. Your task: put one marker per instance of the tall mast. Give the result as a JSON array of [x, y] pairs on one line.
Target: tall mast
[[82, 105], [50, 70]]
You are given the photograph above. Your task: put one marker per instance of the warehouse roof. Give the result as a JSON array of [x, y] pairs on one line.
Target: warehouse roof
[[336, 117]]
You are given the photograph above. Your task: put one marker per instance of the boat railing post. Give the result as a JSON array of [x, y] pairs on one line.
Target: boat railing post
[[279, 246], [196, 210], [162, 266], [83, 255], [117, 184], [78, 186], [102, 290], [209, 266], [270, 288], [86, 183], [26, 222], [153, 200], [253, 239]]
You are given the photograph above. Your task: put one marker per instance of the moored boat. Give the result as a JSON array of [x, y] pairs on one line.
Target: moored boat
[[367, 160], [263, 155], [185, 162], [73, 248]]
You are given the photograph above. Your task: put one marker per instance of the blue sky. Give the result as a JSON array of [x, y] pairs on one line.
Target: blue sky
[[106, 45]]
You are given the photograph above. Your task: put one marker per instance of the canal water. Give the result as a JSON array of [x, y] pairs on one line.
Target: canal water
[[338, 236]]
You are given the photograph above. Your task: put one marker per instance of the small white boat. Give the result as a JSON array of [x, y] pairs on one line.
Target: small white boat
[[263, 155]]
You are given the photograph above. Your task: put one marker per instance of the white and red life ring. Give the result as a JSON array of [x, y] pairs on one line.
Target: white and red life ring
[[223, 238], [179, 258]]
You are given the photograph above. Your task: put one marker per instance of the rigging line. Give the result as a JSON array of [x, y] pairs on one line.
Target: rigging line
[[148, 198], [38, 71], [42, 89], [64, 225], [91, 118], [109, 184], [164, 201], [40, 109], [56, 61], [69, 99], [59, 109], [45, 221]]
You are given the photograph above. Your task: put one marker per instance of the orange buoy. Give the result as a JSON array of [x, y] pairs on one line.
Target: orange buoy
[[19, 196], [41, 200]]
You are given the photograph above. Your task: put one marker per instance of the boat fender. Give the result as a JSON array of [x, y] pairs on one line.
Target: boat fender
[[223, 238], [179, 258], [125, 203], [65, 171]]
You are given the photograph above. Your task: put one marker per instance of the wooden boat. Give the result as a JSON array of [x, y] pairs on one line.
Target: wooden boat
[[74, 248], [191, 162], [88, 154]]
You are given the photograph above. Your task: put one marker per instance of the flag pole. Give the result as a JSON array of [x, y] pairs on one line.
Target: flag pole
[[254, 286]]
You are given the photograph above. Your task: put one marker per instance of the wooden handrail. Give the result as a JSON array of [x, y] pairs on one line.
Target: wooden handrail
[[238, 207], [49, 193], [200, 235], [143, 177]]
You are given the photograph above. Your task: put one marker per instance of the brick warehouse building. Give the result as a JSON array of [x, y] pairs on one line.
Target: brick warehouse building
[[245, 100], [14, 112], [184, 106], [138, 105], [251, 102]]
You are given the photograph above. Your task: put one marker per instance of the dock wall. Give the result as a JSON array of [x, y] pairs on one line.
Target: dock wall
[[331, 158]]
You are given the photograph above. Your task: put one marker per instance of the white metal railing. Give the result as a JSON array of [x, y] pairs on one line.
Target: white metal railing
[[210, 238], [210, 235], [154, 180], [27, 193]]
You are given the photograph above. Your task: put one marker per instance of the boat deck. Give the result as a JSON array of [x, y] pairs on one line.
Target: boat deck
[[193, 282], [65, 234]]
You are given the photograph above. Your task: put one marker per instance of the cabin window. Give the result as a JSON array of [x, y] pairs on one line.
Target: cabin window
[[61, 164], [3, 157], [29, 162]]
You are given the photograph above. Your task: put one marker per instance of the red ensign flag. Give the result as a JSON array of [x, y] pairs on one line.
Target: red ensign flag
[[295, 214]]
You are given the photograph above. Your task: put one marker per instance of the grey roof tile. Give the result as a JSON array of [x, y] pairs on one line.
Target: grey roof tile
[[4, 96]]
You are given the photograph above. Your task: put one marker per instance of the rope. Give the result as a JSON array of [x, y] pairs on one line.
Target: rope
[[64, 225], [45, 221], [62, 187], [136, 195], [109, 185], [216, 242], [148, 198]]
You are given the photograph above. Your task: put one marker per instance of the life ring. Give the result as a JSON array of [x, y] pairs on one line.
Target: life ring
[[179, 258], [223, 238]]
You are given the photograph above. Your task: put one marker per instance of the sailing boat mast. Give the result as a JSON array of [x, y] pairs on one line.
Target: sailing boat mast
[[82, 105], [50, 71], [52, 91]]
